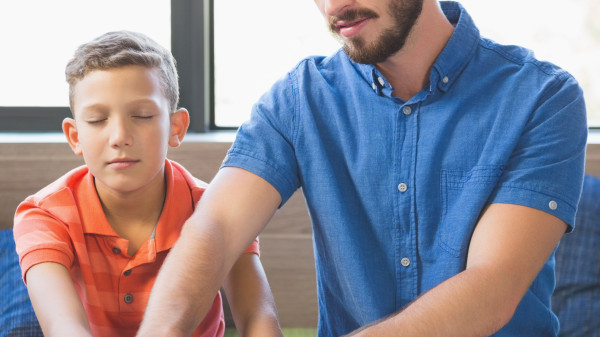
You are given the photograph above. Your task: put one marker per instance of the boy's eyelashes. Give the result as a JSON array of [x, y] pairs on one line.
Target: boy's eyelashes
[[137, 117], [95, 121]]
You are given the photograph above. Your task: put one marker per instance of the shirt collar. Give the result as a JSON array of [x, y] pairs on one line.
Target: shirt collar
[[90, 209], [449, 64], [183, 190], [459, 49]]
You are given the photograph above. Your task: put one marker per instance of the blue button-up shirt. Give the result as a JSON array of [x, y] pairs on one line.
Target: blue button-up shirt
[[394, 189]]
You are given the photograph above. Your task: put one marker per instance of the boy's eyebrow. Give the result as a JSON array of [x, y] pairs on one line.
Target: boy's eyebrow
[[102, 108], [144, 101], [93, 108]]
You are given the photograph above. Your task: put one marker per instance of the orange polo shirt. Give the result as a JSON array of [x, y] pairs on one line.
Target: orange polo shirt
[[64, 223]]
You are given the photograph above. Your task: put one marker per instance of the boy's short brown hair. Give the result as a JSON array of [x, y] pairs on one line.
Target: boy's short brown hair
[[124, 48]]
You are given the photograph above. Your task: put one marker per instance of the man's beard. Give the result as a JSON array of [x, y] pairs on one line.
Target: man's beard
[[390, 41]]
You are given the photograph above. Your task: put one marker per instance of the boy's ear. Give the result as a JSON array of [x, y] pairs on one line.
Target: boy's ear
[[70, 130], [180, 121]]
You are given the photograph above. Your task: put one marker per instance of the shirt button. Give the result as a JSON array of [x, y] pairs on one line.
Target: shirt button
[[116, 250], [127, 272], [128, 298], [381, 81], [374, 87], [553, 205], [405, 262], [445, 79], [407, 110], [402, 187]]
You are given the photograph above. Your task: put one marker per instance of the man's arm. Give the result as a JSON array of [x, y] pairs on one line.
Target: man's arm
[[250, 298], [231, 213], [509, 247], [55, 301]]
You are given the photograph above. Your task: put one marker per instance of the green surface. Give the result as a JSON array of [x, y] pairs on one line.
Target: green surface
[[231, 332]]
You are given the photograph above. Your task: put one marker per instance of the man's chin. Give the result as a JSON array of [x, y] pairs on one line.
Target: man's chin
[[362, 56]]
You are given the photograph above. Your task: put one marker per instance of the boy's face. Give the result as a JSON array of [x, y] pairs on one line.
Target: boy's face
[[123, 127]]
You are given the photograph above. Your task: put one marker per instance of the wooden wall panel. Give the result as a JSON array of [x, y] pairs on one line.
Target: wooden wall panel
[[592, 160], [286, 243]]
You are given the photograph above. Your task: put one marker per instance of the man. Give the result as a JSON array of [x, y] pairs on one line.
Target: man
[[440, 170]]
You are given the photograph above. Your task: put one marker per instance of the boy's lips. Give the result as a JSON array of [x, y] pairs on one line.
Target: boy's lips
[[122, 163]]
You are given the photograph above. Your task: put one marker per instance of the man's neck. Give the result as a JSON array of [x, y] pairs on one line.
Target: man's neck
[[409, 69]]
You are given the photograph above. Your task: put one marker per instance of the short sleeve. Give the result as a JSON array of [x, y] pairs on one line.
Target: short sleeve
[[546, 168], [254, 248], [40, 237], [264, 144]]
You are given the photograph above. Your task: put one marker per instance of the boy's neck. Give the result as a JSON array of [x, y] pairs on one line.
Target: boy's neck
[[134, 215]]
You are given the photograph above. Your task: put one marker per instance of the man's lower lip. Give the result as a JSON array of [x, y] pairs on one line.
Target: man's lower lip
[[350, 31]]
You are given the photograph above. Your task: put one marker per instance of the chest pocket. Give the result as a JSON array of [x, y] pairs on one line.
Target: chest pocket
[[464, 194]]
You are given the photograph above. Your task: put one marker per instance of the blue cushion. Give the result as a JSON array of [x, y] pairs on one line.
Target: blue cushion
[[576, 300], [17, 317]]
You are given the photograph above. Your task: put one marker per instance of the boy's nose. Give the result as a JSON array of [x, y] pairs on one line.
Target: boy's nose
[[120, 135]]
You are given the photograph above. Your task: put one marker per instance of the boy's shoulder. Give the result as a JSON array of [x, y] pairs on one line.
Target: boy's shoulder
[[67, 182], [197, 186]]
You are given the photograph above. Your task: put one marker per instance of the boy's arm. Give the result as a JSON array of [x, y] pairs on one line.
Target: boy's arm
[[55, 301], [231, 213], [250, 298]]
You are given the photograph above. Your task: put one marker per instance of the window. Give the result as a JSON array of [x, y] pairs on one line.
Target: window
[[39, 36], [256, 44], [564, 33], [231, 52], [253, 50]]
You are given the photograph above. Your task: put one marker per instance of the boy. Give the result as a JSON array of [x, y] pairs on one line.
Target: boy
[[90, 244]]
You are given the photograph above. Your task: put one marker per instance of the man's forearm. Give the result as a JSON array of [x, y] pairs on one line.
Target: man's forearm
[[232, 212], [186, 285], [508, 248], [468, 304]]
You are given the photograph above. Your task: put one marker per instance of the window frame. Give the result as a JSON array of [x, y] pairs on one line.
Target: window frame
[[191, 45]]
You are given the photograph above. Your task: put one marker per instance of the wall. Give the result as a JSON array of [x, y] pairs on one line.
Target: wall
[[286, 243]]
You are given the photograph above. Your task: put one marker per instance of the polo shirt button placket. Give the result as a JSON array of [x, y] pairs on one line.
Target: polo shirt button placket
[[128, 298]]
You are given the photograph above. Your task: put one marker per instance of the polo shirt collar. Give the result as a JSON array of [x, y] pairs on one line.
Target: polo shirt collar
[[90, 209], [178, 206]]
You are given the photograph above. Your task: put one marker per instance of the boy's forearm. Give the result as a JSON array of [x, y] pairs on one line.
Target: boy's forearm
[[55, 301], [250, 298]]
